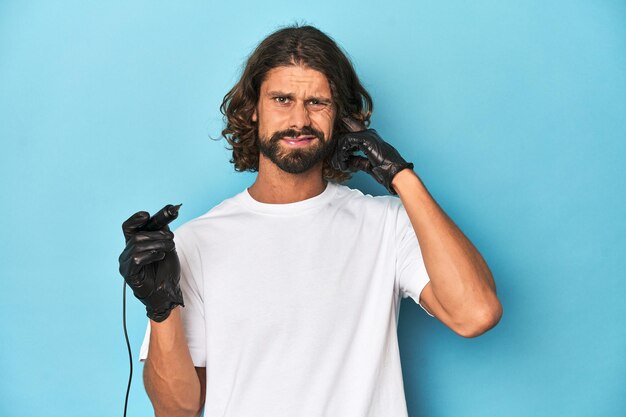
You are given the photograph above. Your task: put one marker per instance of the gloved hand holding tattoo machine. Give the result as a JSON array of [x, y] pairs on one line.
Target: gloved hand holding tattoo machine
[[149, 263]]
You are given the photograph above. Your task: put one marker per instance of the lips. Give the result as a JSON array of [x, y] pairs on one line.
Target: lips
[[302, 140], [299, 138]]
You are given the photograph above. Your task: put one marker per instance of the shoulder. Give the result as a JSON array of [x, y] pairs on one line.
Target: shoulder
[[380, 214], [355, 198]]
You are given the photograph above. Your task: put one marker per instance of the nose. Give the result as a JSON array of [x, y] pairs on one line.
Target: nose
[[299, 117]]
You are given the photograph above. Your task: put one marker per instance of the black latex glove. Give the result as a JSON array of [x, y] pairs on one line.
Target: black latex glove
[[150, 266], [382, 160]]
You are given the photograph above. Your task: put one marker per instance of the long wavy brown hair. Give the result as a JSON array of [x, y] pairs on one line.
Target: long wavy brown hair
[[293, 45]]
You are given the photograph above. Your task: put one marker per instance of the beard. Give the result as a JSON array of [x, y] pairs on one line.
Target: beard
[[296, 160]]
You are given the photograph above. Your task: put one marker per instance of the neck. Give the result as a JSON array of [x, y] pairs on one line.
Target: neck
[[275, 186]]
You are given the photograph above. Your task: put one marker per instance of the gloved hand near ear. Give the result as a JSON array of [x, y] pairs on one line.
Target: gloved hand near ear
[[150, 266], [382, 160]]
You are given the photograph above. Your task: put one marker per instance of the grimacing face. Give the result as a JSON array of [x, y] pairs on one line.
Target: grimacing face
[[295, 115]]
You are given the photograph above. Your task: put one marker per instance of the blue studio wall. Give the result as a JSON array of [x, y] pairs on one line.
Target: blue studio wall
[[514, 114]]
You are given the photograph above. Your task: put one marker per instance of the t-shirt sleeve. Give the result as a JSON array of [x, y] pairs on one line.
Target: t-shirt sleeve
[[411, 275], [192, 314]]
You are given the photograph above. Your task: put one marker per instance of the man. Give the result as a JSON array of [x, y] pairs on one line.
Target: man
[[291, 289]]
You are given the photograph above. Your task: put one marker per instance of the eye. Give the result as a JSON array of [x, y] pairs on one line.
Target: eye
[[317, 104], [281, 99]]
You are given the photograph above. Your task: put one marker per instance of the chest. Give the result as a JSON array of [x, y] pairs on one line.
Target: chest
[[285, 277]]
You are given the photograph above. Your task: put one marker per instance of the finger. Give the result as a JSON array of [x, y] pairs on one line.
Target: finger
[[339, 158], [355, 143], [134, 223], [350, 146], [144, 236], [356, 163], [335, 162], [137, 244], [163, 245], [342, 156], [363, 141], [132, 263], [353, 124], [154, 227], [147, 257]]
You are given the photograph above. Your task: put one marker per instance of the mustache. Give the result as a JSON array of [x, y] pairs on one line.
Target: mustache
[[292, 133]]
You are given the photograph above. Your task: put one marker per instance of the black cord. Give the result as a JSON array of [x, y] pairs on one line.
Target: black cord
[[130, 355]]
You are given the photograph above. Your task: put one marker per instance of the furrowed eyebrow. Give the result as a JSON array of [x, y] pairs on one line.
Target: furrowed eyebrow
[[279, 94]]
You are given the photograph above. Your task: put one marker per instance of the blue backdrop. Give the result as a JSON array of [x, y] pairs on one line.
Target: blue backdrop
[[514, 115]]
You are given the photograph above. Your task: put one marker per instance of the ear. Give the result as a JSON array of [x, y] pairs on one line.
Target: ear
[[254, 117]]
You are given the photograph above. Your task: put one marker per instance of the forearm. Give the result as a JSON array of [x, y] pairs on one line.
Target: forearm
[[170, 377], [460, 278]]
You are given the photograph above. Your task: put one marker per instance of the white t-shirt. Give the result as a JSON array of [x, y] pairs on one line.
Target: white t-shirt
[[293, 308]]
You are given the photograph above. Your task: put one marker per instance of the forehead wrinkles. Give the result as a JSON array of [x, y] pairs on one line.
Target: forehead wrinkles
[[297, 80]]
